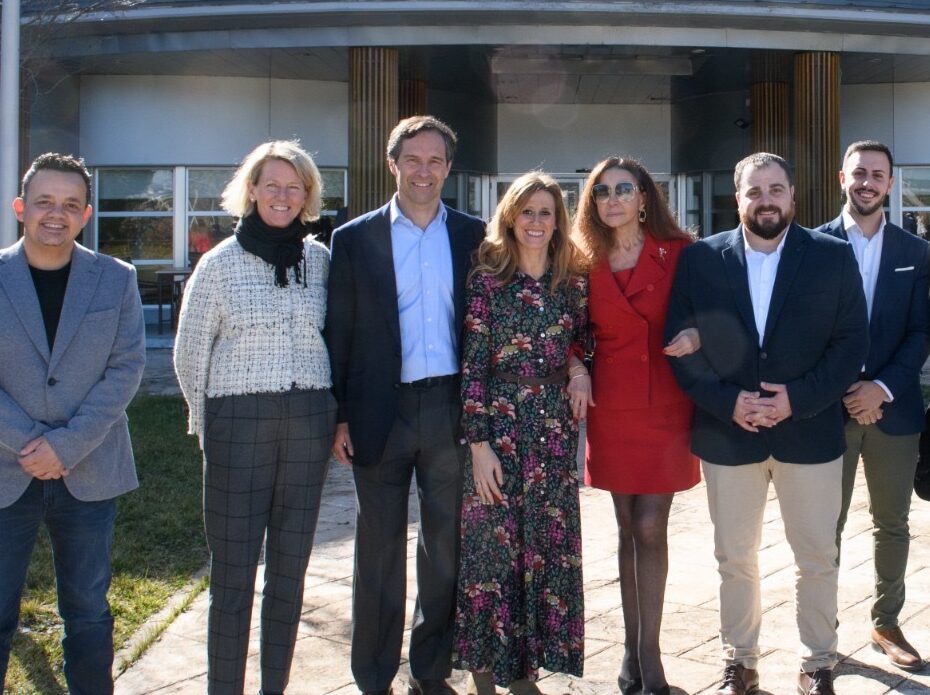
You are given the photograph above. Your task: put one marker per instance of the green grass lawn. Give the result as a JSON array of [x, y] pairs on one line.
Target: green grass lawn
[[158, 545]]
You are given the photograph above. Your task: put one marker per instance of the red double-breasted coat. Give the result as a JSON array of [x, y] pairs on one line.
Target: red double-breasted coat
[[639, 432]]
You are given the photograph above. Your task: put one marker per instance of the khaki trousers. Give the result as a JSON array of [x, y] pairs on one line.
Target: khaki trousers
[[809, 498]]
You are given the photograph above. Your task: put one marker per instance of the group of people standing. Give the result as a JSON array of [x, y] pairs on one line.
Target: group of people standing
[[456, 356], [428, 346], [460, 357]]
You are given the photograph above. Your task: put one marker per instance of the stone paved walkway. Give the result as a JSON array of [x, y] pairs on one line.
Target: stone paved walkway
[[176, 664]]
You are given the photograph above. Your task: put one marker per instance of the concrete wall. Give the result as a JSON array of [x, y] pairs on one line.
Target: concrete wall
[[54, 123], [896, 114], [159, 120], [704, 137], [567, 137]]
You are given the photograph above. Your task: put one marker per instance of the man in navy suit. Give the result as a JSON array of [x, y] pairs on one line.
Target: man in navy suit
[[783, 328], [884, 406], [72, 350], [393, 328]]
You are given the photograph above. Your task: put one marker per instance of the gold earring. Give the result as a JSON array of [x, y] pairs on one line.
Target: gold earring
[[642, 214]]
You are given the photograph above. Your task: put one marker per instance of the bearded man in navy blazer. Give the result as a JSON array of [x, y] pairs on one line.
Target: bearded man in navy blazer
[[394, 327], [72, 349], [783, 327], [885, 406]]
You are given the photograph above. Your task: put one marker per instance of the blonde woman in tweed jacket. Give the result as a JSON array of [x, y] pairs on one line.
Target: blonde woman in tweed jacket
[[253, 366]]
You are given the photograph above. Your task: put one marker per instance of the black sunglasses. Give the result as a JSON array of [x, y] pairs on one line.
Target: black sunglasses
[[623, 190]]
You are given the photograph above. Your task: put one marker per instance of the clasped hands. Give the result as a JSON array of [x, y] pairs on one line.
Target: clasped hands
[[39, 460], [753, 410], [863, 401]]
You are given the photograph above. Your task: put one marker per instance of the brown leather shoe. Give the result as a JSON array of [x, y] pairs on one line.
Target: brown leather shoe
[[891, 641], [738, 680], [819, 682]]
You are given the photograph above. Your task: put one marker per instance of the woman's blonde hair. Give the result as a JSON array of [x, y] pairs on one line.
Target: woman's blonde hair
[[499, 253], [595, 237], [236, 199]]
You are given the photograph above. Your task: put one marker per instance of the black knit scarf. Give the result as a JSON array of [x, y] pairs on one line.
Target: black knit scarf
[[282, 247]]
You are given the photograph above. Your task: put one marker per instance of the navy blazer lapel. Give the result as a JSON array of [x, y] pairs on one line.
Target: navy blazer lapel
[[82, 284], [734, 260], [461, 246], [791, 254], [380, 266], [891, 259], [19, 287]]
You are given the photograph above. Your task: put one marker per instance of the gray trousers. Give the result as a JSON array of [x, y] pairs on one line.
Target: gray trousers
[[423, 441], [889, 463], [265, 462]]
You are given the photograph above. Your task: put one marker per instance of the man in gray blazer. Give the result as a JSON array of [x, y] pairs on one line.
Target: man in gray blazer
[[72, 349]]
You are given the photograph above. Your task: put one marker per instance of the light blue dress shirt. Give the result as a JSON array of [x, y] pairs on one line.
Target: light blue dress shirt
[[423, 272]]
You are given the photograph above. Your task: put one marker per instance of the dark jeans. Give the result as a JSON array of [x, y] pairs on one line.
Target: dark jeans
[[81, 535]]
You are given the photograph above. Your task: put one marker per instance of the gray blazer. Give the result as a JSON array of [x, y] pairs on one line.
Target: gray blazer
[[76, 396]]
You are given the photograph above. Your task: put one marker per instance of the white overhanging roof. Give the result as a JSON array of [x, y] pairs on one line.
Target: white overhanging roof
[[843, 26]]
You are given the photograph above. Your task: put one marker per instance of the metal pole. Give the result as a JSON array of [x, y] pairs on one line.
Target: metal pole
[[9, 119]]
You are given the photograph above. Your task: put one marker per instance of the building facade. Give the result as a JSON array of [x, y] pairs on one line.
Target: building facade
[[163, 99]]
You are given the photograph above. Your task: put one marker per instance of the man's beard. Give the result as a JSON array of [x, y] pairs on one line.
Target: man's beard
[[770, 228], [861, 208]]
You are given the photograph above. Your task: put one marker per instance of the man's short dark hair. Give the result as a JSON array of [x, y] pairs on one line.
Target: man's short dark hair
[[54, 161], [413, 126], [759, 160], [870, 146]]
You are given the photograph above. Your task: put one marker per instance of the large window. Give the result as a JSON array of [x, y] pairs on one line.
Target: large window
[[708, 202], [135, 209], [207, 222], [915, 200], [170, 216]]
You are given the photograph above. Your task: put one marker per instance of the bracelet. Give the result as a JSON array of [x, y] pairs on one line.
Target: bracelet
[[578, 375], [577, 369]]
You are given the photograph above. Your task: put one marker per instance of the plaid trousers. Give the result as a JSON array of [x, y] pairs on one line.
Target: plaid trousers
[[265, 461]]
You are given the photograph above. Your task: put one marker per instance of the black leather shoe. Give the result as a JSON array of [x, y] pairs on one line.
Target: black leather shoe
[[738, 680], [629, 686], [429, 686], [819, 682]]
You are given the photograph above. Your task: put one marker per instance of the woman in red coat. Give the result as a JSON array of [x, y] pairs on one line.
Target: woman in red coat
[[639, 430]]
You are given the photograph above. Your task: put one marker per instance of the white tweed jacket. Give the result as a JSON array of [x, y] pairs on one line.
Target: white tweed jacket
[[238, 333]]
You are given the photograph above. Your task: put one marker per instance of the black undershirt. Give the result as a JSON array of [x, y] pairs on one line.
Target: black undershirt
[[50, 289]]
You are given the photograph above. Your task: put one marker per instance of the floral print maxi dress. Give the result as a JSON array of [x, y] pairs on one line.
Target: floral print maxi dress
[[520, 602]]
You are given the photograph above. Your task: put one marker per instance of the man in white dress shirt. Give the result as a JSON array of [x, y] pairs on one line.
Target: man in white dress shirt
[[884, 407], [783, 328]]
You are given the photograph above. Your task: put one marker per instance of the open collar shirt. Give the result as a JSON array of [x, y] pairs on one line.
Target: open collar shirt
[[761, 268], [424, 277], [868, 253]]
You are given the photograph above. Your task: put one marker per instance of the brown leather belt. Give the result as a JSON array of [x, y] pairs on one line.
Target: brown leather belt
[[557, 377]]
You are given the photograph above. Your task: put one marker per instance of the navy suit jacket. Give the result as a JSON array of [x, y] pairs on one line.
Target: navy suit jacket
[[815, 342], [899, 328], [363, 327]]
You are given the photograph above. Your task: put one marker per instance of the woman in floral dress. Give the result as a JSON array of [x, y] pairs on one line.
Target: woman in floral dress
[[524, 388]]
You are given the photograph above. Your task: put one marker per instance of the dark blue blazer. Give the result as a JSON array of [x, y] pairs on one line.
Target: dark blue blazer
[[815, 342], [899, 328], [363, 327]]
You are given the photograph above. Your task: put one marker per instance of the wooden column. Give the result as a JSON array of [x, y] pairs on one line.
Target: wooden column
[[770, 100], [412, 98], [373, 112], [817, 125]]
